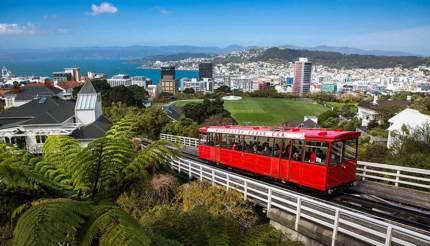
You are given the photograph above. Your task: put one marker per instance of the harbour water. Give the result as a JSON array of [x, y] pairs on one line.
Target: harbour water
[[108, 67]]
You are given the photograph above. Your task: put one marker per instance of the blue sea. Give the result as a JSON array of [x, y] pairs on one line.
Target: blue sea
[[108, 67]]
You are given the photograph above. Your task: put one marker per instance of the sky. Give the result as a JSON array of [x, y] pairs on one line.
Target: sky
[[366, 24]]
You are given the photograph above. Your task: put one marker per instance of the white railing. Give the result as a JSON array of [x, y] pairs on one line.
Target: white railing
[[193, 142], [394, 175], [389, 174], [340, 220]]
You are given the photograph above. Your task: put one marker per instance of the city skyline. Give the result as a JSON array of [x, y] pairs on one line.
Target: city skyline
[[373, 25]]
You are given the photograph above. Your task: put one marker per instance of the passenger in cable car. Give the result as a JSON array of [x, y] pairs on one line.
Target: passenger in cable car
[[313, 156], [276, 150], [234, 146]]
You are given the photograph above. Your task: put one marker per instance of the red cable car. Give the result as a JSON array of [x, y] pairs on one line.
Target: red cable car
[[319, 159]]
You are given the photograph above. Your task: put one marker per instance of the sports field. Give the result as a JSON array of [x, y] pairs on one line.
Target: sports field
[[271, 111], [266, 111]]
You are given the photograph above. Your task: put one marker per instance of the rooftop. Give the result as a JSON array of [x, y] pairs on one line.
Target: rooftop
[[47, 110]]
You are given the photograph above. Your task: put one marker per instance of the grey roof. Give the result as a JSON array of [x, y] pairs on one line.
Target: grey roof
[[94, 130], [29, 93], [87, 88], [51, 110], [172, 112]]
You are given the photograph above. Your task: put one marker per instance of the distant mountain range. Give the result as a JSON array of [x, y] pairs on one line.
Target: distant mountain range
[[350, 51], [334, 59], [138, 52]]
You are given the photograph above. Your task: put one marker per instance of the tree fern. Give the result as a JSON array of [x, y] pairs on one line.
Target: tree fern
[[50, 222], [96, 167], [157, 152], [113, 226], [125, 128]]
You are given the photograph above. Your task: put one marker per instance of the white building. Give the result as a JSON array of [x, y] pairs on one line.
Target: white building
[[29, 125], [205, 85], [94, 75], [140, 81], [119, 79], [153, 91], [75, 72], [369, 111], [409, 118]]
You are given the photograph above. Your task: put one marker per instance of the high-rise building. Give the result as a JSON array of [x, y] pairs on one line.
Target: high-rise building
[[168, 72], [302, 77], [75, 72], [205, 70], [61, 76], [168, 80]]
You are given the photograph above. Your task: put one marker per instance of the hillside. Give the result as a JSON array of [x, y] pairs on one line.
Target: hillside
[[338, 60]]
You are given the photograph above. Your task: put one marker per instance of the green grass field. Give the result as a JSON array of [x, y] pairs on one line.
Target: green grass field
[[266, 111], [181, 103], [271, 111]]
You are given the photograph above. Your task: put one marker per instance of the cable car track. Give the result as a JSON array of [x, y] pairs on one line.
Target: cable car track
[[415, 218]]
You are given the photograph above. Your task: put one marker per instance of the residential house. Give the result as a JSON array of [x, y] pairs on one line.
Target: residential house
[[29, 125], [409, 118], [369, 111]]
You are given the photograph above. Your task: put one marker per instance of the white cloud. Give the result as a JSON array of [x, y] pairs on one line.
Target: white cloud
[[161, 10], [13, 28], [103, 8]]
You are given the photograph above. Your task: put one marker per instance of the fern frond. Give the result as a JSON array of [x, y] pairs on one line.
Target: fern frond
[[50, 222], [113, 226], [154, 154]]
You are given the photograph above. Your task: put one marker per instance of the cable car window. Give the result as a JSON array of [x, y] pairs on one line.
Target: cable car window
[[263, 146], [285, 153], [277, 147], [336, 153], [246, 143], [350, 150], [209, 138], [316, 152], [297, 150], [203, 138]]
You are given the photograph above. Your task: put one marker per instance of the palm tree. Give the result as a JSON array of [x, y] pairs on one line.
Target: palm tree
[[68, 193]]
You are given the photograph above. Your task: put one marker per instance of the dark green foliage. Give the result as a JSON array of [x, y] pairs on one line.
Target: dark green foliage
[[412, 148], [422, 104], [50, 222], [123, 94], [110, 225], [223, 89], [329, 119], [151, 123], [188, 91], [376, 153], [183, 127], [199, 112], [339, 60]]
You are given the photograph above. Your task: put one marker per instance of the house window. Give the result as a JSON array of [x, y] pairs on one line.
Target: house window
[[41, 139]]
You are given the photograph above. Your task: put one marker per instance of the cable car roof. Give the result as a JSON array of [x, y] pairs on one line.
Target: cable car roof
[[291, 133]]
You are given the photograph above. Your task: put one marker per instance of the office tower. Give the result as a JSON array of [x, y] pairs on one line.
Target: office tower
[[302, 77], [205, 70], [61, 76], [168, 72], [75, 72], [168, 80]]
